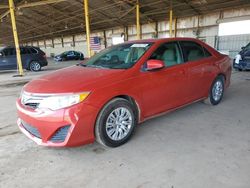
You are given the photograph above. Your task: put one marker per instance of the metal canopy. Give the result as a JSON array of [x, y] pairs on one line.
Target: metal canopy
[[41, 19]]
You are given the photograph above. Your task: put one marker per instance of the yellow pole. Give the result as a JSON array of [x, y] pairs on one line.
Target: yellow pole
[[86, 10], [13, 21], [138, 27], [170, 22], [175, 27]]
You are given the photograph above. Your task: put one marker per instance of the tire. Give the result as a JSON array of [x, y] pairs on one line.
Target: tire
[[114, 134], [216, 91], [34, 66]]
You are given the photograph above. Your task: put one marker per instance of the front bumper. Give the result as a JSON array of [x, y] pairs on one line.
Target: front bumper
[[244, 65], [72, 126]]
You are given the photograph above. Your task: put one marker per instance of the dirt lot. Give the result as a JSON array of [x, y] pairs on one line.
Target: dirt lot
[[199, 146]]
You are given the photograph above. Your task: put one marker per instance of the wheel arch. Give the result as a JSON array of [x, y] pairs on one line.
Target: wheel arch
[[130, 99], [134, 103], [98, 132], [223, 75]]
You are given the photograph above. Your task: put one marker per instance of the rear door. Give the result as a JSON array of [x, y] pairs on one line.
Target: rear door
[[200, 69], [26, 56], [166, 88]]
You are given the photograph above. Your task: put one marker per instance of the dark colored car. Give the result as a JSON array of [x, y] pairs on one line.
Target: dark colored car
[[69, 55], [242, 60], [33, 58], [107, 96]]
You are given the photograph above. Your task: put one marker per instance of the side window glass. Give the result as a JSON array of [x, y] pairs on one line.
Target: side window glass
[[12, 51], [169, 53], [247, 46], [23, 51], [28, 50], [192, 51], [6, 52], [33, 51]]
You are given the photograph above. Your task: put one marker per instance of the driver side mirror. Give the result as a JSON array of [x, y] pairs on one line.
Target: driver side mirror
[[154, 64]]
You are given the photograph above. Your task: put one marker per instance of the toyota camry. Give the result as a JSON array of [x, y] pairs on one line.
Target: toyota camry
[[120, 87]]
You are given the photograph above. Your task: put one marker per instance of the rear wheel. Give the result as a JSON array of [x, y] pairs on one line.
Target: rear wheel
[[115, 123], [216, 91], [35, 66]]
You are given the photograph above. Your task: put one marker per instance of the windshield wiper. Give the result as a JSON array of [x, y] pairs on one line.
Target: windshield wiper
[[97, 66], [80, 64], [92, 66]]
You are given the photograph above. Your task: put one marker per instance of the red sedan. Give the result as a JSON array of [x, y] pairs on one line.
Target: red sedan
[[118, 88]]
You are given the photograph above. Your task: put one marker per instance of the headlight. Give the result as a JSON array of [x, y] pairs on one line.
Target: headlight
[[62, 101]]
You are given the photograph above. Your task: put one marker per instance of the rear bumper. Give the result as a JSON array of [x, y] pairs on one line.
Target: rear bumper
[[44, 63], [73, 126]]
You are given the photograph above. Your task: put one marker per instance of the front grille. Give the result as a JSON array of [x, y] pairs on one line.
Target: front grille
[[32, 105], [60, 134], [32, 130]]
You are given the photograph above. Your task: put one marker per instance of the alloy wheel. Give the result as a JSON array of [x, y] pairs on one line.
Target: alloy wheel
[[119, 123]]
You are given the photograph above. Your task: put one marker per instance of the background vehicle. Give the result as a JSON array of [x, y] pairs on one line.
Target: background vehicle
[[33, 58], [69, 55], [119, 87], [243, 63]]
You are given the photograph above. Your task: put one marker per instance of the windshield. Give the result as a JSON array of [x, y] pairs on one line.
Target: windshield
[[121, 56], [64, 53], [247, 46]]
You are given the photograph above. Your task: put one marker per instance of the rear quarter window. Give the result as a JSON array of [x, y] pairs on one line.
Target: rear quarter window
[[33, 51], [206, 52], [193, 51]]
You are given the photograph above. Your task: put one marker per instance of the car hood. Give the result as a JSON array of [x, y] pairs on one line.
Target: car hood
[[74, 79]]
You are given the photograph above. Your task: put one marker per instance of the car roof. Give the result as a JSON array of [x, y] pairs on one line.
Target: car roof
[[164, 39]]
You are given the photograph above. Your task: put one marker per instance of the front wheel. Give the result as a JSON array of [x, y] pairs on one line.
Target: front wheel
[[35, 66], [216, 91], [115, 123]]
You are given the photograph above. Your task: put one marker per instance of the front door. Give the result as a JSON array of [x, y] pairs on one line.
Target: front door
[[3, 62], [165, 89], [8, 59], [71, 55], [10, 56]]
